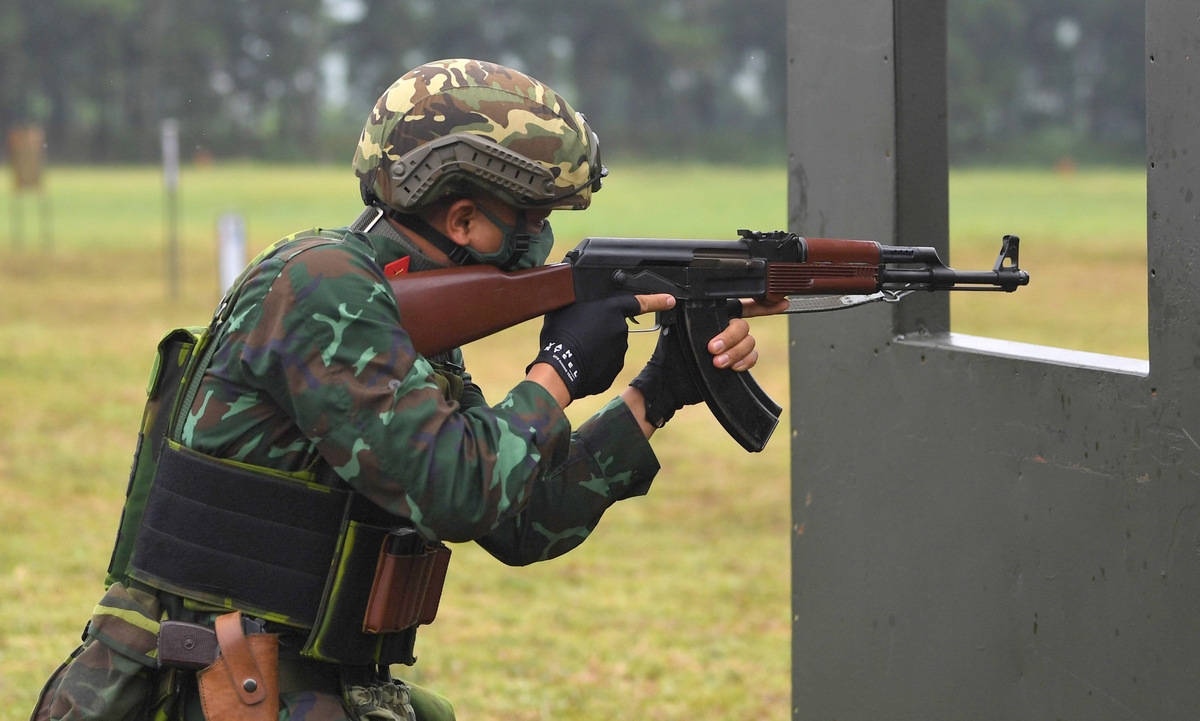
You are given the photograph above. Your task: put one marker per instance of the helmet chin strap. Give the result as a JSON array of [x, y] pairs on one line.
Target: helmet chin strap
[[515, 244], [455, 252], [372, 221]]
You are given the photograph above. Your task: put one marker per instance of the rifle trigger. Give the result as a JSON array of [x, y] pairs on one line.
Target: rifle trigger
[[652, 329]]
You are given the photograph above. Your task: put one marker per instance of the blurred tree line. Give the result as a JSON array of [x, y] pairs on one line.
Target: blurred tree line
[[294, 79], [1055, 80]]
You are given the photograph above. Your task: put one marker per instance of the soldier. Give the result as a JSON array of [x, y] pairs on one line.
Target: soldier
[[311, 434]]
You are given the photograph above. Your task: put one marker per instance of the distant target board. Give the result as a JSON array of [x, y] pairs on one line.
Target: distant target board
[[26, 151]]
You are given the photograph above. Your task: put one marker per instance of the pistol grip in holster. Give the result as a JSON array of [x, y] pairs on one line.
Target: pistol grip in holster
[[741, 406], [243, 683]]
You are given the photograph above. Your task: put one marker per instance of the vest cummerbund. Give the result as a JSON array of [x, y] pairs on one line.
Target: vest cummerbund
[[238, 537]]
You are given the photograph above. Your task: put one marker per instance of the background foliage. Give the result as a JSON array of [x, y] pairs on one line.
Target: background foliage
[[293, 79]]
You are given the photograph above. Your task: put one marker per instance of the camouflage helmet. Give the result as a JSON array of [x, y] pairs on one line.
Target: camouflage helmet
[[453, 125]]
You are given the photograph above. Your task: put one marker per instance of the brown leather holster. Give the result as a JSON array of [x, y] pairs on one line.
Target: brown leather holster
[[243, 683]]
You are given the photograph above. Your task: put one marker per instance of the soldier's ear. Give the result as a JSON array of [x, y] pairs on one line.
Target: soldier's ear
[[461, 219]]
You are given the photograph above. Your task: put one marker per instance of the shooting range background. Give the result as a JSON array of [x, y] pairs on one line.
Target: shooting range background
[[984, 529]]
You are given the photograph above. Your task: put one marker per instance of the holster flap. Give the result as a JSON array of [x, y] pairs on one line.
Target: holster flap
[[243, 683]]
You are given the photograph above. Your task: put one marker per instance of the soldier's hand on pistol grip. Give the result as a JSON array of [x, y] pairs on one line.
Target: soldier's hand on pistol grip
[[666, 383]]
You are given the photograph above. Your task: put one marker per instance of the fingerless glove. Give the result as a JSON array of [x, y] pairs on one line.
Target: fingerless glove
[[666, 381], [586, 343]]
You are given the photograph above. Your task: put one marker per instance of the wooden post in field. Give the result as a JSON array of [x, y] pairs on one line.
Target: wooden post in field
[[26, 152], [231, 249]]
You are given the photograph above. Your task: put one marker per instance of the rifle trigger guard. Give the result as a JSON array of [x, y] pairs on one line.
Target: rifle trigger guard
[[636, 327]]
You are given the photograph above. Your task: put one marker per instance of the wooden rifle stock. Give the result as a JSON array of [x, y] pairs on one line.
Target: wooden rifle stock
[[444, 309]]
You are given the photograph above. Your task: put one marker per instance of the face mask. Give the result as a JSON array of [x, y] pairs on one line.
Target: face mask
[[518, 250]]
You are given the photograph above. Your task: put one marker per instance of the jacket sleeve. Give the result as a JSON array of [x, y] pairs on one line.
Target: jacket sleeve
[[609, 460]]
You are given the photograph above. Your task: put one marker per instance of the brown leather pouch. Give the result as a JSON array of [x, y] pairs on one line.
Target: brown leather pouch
[[408, 583], [243, 683]]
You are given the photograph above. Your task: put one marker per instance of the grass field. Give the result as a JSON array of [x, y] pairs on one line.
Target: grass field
[[1083, 239], [677, 608]]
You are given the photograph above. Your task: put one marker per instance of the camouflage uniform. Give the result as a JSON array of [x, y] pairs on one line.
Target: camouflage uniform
[[315, 367]]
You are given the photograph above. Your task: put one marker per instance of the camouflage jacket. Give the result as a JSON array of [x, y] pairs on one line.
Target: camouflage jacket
[[314, 366]]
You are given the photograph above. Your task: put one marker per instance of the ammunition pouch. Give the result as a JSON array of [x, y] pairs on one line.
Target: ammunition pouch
[[406, 563]]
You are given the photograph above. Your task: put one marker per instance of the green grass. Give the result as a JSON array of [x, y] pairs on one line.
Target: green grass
[[678, 607], [1083, 240]]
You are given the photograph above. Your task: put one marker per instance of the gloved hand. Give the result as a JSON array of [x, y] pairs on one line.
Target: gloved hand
[[586, 343], [665, 381]]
